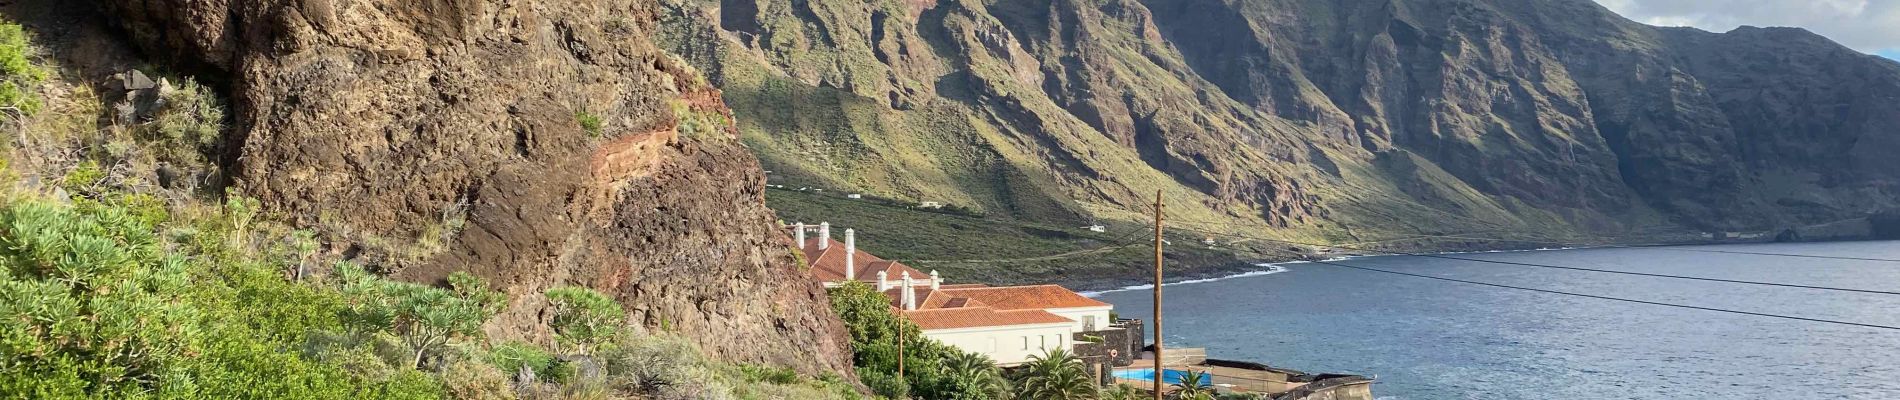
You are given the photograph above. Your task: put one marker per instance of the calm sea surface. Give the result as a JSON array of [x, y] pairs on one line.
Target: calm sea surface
[[1430, 339]]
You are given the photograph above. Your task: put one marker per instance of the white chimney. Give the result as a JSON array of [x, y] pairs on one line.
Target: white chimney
[[824, 235], [798, 231], [850, 254], [883, 281], [936, 281], [909, 296]]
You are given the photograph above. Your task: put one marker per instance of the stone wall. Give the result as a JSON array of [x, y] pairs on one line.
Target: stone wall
[[1340, 387], [1117, 347]]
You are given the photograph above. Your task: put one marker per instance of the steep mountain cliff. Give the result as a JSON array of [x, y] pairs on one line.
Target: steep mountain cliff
[[1337, 120], [534, 144]]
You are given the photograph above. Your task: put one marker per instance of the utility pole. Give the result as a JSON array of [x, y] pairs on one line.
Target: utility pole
[[900, 349], [1160, 374]]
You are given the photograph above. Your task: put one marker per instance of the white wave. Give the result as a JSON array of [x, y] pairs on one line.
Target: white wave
[[1278, 267], [1271, 268]]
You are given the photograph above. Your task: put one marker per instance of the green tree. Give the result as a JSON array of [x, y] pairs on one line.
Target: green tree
[[424, 317], [1056, 375], [971, 376], [930, 367], [584, 318]]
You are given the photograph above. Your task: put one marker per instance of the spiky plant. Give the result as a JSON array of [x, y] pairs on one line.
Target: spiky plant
[[1056, 375]]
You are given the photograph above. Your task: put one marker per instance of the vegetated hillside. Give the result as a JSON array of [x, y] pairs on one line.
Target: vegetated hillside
[[1342, 121], [534, 145]]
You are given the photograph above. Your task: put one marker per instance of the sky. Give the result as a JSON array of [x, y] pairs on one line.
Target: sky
[[1872, 26]]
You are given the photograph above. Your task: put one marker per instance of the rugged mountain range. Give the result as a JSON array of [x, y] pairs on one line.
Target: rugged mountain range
[[1342, 120]]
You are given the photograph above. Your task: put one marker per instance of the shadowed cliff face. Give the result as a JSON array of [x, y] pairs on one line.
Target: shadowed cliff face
[[1313, 118], [446, 135]]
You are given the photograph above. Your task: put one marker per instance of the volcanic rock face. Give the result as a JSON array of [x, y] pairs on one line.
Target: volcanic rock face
[[437, 136], [1329, 118]]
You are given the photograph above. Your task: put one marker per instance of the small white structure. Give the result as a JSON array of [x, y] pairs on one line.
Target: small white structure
[[854, 196], [1098, 228], [930, 204], [1208, 241]]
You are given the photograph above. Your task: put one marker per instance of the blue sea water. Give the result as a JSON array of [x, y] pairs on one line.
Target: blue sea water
[[1430, 339]]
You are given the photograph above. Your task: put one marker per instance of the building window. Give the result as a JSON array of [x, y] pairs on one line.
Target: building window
[[1088, 323], [1025, 343]]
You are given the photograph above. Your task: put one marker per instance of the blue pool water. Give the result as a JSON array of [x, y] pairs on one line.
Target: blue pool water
[[1172, 376]]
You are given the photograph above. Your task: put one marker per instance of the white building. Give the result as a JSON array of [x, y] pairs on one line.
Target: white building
[[1008, 324]]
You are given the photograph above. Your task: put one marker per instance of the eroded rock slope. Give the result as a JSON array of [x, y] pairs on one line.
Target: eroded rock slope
[[533, 143]]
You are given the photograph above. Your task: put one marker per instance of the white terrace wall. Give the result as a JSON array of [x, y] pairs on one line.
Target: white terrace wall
[[1008, 345], [1082, 315]]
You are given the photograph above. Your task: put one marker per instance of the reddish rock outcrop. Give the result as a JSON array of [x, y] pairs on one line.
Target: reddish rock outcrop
[[434, 136]]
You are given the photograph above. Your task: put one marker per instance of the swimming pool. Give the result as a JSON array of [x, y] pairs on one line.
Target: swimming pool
[[1171, 376]]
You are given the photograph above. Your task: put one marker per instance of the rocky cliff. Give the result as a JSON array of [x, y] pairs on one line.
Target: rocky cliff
[[532, 143], [1335, 120]]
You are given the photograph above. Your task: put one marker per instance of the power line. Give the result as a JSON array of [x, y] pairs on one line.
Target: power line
[[1653, 303], [1115, 245], [1787, 255], [1607, 271]]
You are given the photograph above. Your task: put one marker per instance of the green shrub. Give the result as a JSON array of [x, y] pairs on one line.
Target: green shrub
[[659, 366], [96, 306], [191, 122], [778, 376], [886, 384], [19, 77], [589, 122], [84, 179], [511, 357], [584, 318]]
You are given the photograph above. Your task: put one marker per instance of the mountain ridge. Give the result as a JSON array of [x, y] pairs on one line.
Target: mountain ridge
[[1308, 119]]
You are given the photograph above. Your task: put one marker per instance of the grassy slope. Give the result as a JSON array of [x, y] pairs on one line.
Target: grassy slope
[[967, 248]]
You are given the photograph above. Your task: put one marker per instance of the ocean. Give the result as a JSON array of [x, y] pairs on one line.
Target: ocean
[[1432, 339]]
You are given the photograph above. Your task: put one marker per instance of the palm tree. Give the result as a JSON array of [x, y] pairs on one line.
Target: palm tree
[[1193, 386], [1056, 375], [975, 377]]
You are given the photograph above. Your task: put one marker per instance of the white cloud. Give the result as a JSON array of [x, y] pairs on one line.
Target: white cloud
[[1868, 25]]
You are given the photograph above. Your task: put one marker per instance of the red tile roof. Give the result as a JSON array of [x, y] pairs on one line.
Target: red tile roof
[[827, 264], [948, 306], [972, 317], [1025, 297]]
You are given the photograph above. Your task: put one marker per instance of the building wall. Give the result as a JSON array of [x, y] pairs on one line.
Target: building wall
[[1082, 315], [1117, 348], [1009, 345]]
